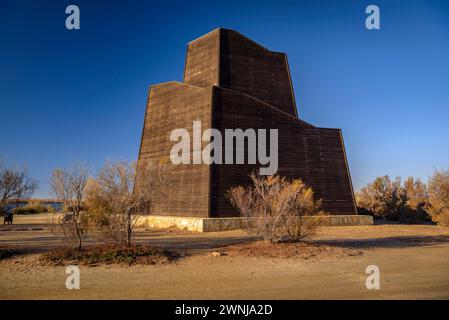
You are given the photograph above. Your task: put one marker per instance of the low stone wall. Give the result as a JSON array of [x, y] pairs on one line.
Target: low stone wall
[[225, 224], [186, 223]]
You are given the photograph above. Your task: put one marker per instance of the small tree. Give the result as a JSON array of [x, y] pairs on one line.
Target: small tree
[[276, 208], [438, 206], [416, 199], [68, 186], [15, 184], [383, 197], [119, 194]]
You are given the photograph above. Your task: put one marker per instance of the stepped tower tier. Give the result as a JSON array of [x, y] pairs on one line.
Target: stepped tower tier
[[232, 82]]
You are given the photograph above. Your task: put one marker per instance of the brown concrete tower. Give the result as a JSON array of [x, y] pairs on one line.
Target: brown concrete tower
[[232, 82]]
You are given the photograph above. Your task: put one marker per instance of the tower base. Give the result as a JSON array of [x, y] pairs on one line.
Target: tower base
[[198, 224]]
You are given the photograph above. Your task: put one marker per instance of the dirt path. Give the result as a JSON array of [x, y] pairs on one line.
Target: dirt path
[[413, 262]]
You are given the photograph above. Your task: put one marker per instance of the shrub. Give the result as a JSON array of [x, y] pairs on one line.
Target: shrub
[[438, 206], [277, 209], [416, 199], [108, 254], [32, 207], [384, 198], [68, 186], [119, 194], [15, 184]]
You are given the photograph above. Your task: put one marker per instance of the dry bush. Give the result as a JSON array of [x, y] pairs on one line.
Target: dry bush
[[416, 199], [15, 184], [384, 198], [277, 209], [438, 206], [32, 207], [416, 192], [118, 195], [108, 254], [304, 250], [69, 188]]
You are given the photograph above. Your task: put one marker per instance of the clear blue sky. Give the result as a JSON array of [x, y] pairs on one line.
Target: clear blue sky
[[80, 94]]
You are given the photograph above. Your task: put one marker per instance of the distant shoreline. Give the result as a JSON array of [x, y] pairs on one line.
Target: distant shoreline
[[23, 201]]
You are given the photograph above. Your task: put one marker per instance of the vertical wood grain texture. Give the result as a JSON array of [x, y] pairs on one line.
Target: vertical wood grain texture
[[232, 82]]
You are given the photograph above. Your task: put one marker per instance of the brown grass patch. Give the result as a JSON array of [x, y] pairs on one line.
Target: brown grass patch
[[302, 250], [95, 255]]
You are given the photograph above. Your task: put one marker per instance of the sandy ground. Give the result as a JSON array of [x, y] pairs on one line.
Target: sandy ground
[[413, 262]]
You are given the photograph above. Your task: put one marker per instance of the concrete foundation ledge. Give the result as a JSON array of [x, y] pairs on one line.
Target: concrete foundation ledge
[[198, 224]]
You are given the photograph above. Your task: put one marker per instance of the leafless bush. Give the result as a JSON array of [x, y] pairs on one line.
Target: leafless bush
[[69, 186], [119, 194], [438, 206], [277, 209], [384, 198], [15, 184]]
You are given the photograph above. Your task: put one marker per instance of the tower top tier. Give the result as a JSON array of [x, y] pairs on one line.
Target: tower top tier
[[227, 59]]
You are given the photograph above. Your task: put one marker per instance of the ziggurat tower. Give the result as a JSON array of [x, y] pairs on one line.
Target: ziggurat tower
[[232, 82]]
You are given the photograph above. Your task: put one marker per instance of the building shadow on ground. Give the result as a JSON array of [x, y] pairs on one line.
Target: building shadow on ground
[[38, 239], [387, 242]]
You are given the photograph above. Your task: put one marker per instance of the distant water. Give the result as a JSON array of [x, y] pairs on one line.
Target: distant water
[[56, 205]]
